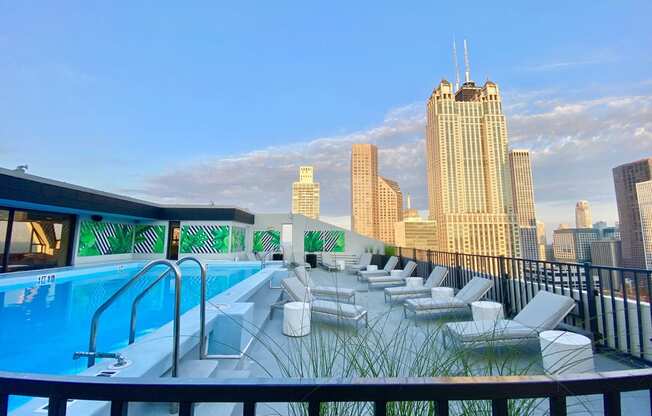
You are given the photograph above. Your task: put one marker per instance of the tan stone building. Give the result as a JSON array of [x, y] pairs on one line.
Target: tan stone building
[[583, 218], [415, 232], [305, 194], [390, 208], [644, 194], [364, 190], [625, 179], [542, 241], [469, 180], [523, 197]]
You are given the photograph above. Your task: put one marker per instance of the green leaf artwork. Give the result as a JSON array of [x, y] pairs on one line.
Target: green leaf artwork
[[142, 244], [190, 240], [221, 235], [312, 242], [265, 241], [123, 240], [237, 239], [87, 241], [339, 244]]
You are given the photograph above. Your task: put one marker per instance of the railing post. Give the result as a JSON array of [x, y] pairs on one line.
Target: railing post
[[504, 285], [590, 297], [4, 404], [414, 254], [458, 271], [380, 408], [441, 408], [57, 406], [611, 404], [429, 260], [558, 406]]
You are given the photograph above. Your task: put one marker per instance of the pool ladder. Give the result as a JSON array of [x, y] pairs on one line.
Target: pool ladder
[[171, 267]]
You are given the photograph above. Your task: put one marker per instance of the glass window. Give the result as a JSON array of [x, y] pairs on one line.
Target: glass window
[[38, 240], [4, 218]]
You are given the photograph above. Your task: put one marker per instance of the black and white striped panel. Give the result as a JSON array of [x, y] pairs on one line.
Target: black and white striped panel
[[102, 235], [146, 246], [269, 242], [208, 246], [329, 239]]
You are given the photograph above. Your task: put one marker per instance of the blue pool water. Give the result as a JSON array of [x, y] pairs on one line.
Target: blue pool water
[[42, 325]]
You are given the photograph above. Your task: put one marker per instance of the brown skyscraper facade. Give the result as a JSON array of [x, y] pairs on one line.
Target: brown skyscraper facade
[[625, 179], [390, 208], [469, 180], [364, 189]]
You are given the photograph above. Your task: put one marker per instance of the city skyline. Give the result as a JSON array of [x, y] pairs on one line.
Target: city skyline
[[563, 94]]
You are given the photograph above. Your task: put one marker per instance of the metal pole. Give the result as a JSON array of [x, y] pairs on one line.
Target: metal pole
[[176, 329], [590, 297]]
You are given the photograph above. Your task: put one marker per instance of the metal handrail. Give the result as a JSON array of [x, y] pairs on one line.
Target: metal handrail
[[202, 304], [92, 342]]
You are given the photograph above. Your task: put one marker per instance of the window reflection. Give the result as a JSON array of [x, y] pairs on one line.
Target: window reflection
[[4, 218], [38, 240]]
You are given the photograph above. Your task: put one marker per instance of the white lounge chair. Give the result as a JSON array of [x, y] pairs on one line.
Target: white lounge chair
[[363, 262], [297, 292], [435, 279], [472, 291], [544, 312], [328, 292], [386, 271], [393, 279], [328, 262]]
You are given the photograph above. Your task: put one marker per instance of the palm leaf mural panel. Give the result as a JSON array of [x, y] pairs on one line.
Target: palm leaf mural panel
[[331, 241], [204, 239], [267, 241], [237, 239], [149, 239], [105, 238]]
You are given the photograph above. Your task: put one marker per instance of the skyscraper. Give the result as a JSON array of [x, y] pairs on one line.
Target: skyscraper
[[305, 194], [390, 208], [469, 180], [523, 197], [625, 179], [583, 217], [574, 244], [542, 240], [644, 194], [364, 189]]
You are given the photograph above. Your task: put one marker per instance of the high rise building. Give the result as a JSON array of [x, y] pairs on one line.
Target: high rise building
[[305, 194], [644, 194], [364, 189], [573, 244], [468, 175], [390, 208], [583, 215], [606, 252], [625, 179], [523, 197], [414, 231], [542, 241]]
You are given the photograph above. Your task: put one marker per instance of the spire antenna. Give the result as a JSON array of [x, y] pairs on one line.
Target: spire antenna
[[457, 67], [467, 66]]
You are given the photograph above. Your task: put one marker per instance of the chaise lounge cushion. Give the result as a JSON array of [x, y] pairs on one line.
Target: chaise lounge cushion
[[425, 304], [332, 291], [338, 309], [475, 331]]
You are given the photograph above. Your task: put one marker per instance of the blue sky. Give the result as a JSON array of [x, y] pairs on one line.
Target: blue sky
[[181, 103]]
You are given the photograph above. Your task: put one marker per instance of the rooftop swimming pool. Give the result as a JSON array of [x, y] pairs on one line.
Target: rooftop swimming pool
[[42, 323]]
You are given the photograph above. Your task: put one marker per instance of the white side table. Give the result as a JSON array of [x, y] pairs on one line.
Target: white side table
[[442, 293], [414, 281], [566, 352], [341, 264], [396, 273], [486, 311], [372, 268], [296, 319]]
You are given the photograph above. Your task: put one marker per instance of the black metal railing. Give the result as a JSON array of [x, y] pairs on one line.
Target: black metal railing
[[613, 304], [316, 394]]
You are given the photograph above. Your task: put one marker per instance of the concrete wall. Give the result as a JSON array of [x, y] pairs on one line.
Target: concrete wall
[[355, 244]]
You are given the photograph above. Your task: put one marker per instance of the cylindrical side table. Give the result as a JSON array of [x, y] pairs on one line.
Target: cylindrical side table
[[372, 268], [296, 319], [486, 311], [396, 273], [566, 352], [442, 293]]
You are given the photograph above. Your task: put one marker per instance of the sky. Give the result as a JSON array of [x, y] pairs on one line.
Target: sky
[[216, 102]]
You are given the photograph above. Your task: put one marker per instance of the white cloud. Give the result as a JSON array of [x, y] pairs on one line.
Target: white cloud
[[575, 145]]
